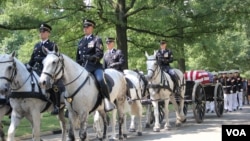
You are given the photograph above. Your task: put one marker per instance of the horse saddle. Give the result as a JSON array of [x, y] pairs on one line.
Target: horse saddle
[[129, 85], [110, 82]]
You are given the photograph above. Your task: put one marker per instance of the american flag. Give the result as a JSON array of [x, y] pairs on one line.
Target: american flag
[[201, 76]]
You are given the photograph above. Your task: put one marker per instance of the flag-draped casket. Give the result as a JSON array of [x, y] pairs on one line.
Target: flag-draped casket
[[201, 76]]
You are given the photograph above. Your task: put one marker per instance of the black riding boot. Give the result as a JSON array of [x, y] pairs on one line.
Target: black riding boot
[[108, 106], [56, 101], [176, 83]]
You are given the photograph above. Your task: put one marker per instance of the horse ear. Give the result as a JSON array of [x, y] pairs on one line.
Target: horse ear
[[146, 54], [45, 50], [13, 54], [55, 48], [155, 52]]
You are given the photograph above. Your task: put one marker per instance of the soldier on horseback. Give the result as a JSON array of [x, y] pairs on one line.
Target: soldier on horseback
[[164, 57], [89, 54], [113, 58], [35, 63]]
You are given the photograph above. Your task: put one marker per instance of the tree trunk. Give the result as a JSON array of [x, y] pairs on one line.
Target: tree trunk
[[121, 29]]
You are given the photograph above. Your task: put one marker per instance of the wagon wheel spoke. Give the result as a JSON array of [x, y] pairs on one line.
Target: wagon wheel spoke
[[199, 100], [218, 100]]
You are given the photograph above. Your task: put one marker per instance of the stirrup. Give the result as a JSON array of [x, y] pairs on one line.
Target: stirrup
[[108, 106]]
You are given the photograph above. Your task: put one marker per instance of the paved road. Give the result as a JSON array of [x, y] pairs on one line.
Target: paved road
[[209, 130]]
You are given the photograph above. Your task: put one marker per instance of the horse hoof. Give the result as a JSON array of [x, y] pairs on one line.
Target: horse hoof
[[185, 120], [156, 129], [125, 136], [147, 125], [139, 133], [131, 130], [121, 139], [69, 139], [111, 139], [178, 124], [167, 127]]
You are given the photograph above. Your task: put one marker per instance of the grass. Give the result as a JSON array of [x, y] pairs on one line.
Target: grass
[[48, 123]]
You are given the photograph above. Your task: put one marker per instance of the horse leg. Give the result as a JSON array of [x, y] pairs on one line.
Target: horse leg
[[2, 113], [177, 111], [62, 120], [105, 123], [167, 125], [83, 126], [113, 124], [71, 130], [98, 125], [157, 125], [136, 110], [132, 123], [139, 114], [35, 119], [120, 107], [15, 121], [148, 116], [124, 129]]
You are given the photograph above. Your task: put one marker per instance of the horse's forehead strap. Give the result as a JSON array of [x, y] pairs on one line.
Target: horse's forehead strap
[[151, 59], [7, 61]]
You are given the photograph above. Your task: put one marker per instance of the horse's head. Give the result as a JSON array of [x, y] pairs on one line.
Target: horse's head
[[7, 72], [52, 68], [152, 65]]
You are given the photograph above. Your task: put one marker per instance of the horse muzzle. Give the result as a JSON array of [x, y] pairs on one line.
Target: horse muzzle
[[47, 83], [5, 89]]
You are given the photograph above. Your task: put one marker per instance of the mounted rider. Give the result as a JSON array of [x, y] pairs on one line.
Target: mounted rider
[[89, 54], [35, 63], [113, 58], [164, 57]]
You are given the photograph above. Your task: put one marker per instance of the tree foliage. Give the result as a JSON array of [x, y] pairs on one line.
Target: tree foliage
[[211, 35]]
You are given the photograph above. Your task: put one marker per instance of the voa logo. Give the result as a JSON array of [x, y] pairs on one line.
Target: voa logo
[[236, 132]]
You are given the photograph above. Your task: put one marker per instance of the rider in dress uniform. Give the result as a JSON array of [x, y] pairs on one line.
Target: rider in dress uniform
[[113, 58], [164, 57], [89, 54], [36, 59]]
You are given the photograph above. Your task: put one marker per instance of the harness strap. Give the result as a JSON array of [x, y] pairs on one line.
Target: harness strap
[[70, 98], [27, 95]]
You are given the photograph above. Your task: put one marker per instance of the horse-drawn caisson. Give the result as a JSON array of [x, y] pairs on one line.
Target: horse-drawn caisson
[[200, 88]]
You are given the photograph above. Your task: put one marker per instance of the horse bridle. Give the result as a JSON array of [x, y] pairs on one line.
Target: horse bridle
[[14, 72], [61, 69], [153, 71]]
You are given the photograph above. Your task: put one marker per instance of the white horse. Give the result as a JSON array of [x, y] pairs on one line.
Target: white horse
[[133, 106], [26, 98], [160, 91], [84, 96]]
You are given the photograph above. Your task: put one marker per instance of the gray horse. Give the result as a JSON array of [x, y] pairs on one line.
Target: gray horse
[[26, 98], [161, 89], [83, 95]]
